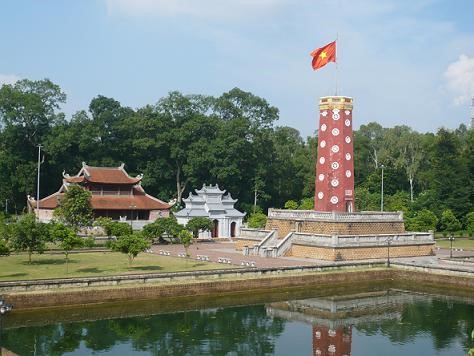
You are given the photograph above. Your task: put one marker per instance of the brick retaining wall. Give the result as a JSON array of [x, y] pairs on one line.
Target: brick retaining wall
[[358, 253], [285, 226]]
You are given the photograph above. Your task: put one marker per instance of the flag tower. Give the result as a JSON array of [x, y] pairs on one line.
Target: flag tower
[[334, 187]]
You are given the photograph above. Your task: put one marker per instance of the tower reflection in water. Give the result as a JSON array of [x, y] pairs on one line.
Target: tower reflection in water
[[332, 318]]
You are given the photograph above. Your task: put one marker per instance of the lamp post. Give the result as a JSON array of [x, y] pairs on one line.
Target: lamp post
[[132, 208], [389, 241], [38, 183], [381, 189], [451, 239]]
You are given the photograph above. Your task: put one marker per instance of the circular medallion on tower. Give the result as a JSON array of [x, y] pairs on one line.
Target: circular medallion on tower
[[335, 148], [321, 177], [336, 116], [347, 122], [323, 127], [320, 195], [348, 139], [334, 165], [334, 182], [348, 156], [334, 199], [324, 113], [335, 132], [323, 144], [322, 160], [348, 173], [347, 112]]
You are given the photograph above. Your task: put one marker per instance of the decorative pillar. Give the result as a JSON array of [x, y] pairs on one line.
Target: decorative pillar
[[335, 164]]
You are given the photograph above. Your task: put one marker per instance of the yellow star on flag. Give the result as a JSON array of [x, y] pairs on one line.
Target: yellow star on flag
[[323, 55]]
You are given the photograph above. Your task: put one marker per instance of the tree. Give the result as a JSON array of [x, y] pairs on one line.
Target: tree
[[75, 208], [306, 204], [29, 235], [448, 222], [161, 227], [131, 245], [291, 204], [423, 220], [65, 237], [470, 223], [257, 220], [199, 224], [186, 239]]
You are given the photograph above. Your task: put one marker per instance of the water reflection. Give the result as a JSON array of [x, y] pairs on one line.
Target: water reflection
[[357, 324]]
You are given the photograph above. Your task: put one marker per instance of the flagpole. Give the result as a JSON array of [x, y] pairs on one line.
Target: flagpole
[[337, 66]]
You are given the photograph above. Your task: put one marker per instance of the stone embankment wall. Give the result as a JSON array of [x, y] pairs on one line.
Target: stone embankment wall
[[127, 288]]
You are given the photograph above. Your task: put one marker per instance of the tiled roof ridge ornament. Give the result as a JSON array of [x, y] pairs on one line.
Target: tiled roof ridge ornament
[[65, 175]]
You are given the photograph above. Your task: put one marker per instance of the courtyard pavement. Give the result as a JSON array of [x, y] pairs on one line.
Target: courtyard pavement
[[220, 250]]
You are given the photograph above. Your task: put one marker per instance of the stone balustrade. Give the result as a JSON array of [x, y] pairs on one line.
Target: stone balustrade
[[411, 238], [362, 216]]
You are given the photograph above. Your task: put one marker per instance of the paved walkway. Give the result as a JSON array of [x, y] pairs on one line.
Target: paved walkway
[[216, 251]]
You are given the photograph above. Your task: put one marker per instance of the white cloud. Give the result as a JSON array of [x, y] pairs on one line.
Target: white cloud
[[8, 79], [205, 9], [460, 79]]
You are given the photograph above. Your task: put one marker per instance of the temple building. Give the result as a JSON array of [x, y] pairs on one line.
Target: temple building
[[115, 194], [212, 203]]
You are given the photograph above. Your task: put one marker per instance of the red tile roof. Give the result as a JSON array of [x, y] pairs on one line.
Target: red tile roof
[[110, 175], [110, 202]]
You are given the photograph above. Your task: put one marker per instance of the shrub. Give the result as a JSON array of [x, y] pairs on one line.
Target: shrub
[[448, 222], [257, 220]]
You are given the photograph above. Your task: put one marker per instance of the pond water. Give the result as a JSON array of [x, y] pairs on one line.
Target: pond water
[[382, 322]]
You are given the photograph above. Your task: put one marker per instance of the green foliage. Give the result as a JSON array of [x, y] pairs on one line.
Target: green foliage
[[4, 237], [186, 239], [29, 235], [186, 140], [199, 224], [257, 220], [306, 204], [131, 245], [119, 228], [470, 223], [74, 208], [168, 227], [89, 242], [400, 201], [366, 201], [4, 248], [448, 222], [291, 204], [423, 220], [104, 223], [65, 237]]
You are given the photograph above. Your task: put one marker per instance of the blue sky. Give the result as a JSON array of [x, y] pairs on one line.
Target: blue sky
[[404, 62]]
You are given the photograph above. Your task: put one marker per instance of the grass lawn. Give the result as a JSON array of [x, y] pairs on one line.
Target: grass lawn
[[92, 264], [464, 243]]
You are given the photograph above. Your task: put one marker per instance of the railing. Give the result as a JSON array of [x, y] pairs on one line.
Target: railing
[[247, 232], [363, 240], [284, 245], [335, 216]]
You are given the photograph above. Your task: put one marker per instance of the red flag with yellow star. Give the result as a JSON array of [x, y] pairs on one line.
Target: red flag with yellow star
[[324, 55]]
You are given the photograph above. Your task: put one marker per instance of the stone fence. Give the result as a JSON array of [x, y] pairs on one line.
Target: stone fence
[[412, 238]]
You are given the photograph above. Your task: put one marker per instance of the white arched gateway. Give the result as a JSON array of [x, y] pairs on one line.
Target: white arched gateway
[[212, 203]]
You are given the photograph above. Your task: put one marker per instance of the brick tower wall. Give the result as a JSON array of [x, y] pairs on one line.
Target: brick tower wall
[[335, 163]]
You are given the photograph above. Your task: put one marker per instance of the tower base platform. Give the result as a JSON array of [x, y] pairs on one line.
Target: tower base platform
[[335, 236]]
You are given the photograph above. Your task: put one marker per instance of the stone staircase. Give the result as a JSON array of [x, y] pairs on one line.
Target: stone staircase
[[270, 246]]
